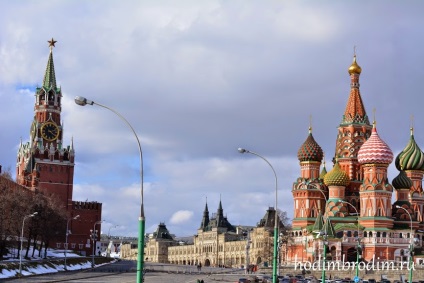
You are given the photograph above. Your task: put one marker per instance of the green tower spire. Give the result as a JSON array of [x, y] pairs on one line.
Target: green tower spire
[[49, 81]]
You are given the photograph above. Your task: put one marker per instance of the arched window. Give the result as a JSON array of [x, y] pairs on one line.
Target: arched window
[[42, 96]]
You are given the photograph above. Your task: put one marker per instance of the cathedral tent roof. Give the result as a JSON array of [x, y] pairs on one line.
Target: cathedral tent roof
[[329, 228], [319, 224]]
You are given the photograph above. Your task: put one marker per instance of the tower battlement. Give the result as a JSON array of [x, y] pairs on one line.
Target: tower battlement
[[86, 205]]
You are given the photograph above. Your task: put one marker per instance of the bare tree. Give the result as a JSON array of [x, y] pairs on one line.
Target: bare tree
[[284, 220], [15, 203], [51, 221], [285, 238]]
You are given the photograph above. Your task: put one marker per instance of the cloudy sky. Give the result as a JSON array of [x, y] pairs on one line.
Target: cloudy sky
[[197, 80]]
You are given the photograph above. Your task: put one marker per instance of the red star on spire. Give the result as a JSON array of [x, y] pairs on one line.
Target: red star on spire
[[51, 42]]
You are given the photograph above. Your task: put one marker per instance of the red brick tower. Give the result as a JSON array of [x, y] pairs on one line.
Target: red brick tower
[[375, 191], [353, 131], [309, 192], [45, 165]]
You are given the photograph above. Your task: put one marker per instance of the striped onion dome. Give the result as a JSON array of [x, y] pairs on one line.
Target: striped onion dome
[[375, 150], [310, 150], [336, 177], [402, 181], [411, 157]]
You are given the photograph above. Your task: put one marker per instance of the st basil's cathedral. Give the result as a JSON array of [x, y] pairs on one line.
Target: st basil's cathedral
[[350, 207]]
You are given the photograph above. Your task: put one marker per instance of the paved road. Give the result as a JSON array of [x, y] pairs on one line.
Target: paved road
[[130, 277], [124, 272]]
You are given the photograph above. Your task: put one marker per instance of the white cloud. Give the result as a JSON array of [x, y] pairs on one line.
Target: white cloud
[[197, 80], [181, 216]]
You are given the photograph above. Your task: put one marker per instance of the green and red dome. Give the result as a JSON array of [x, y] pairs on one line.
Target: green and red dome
[[310, 150]]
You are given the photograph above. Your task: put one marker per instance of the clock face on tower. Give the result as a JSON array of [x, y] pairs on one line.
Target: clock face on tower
[[49, 131]]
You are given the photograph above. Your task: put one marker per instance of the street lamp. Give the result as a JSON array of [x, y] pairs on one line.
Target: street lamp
[[22, 237], [247, 233], [411, 244], [108, 233], [274, 260], [67, 234], [142, 220], [325, 243], [324, 235], [358, 247], [94, 238], [282, 240], [324, 238]]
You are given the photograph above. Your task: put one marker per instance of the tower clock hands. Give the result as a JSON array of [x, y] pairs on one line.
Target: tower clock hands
[[50, 131]]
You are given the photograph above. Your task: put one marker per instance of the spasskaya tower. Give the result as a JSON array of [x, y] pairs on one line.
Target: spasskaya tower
[[45, 165]]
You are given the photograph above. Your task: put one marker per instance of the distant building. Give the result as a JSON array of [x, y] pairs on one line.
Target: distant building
[[45, 164], [217, 243]]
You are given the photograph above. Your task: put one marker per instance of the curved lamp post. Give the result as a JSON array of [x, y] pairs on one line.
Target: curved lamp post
[[411, 244], [274, 259], [357, 239], [108, 233], [142, 220], [67, 234], [108, 249], [324, 235], [22, 237]]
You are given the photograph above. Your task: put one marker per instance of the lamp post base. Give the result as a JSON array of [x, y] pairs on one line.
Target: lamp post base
[[140, 255]]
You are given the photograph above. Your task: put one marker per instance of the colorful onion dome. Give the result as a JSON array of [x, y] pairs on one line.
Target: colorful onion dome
[[402, 181], [375, 150], [336, 177], [310, 150], [411, 157], [354, 68]]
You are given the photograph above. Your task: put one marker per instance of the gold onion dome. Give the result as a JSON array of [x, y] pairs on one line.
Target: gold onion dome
[[336, 177], [310, 150], [402, 181], [354, 68], [375, 150], [411, 157]]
